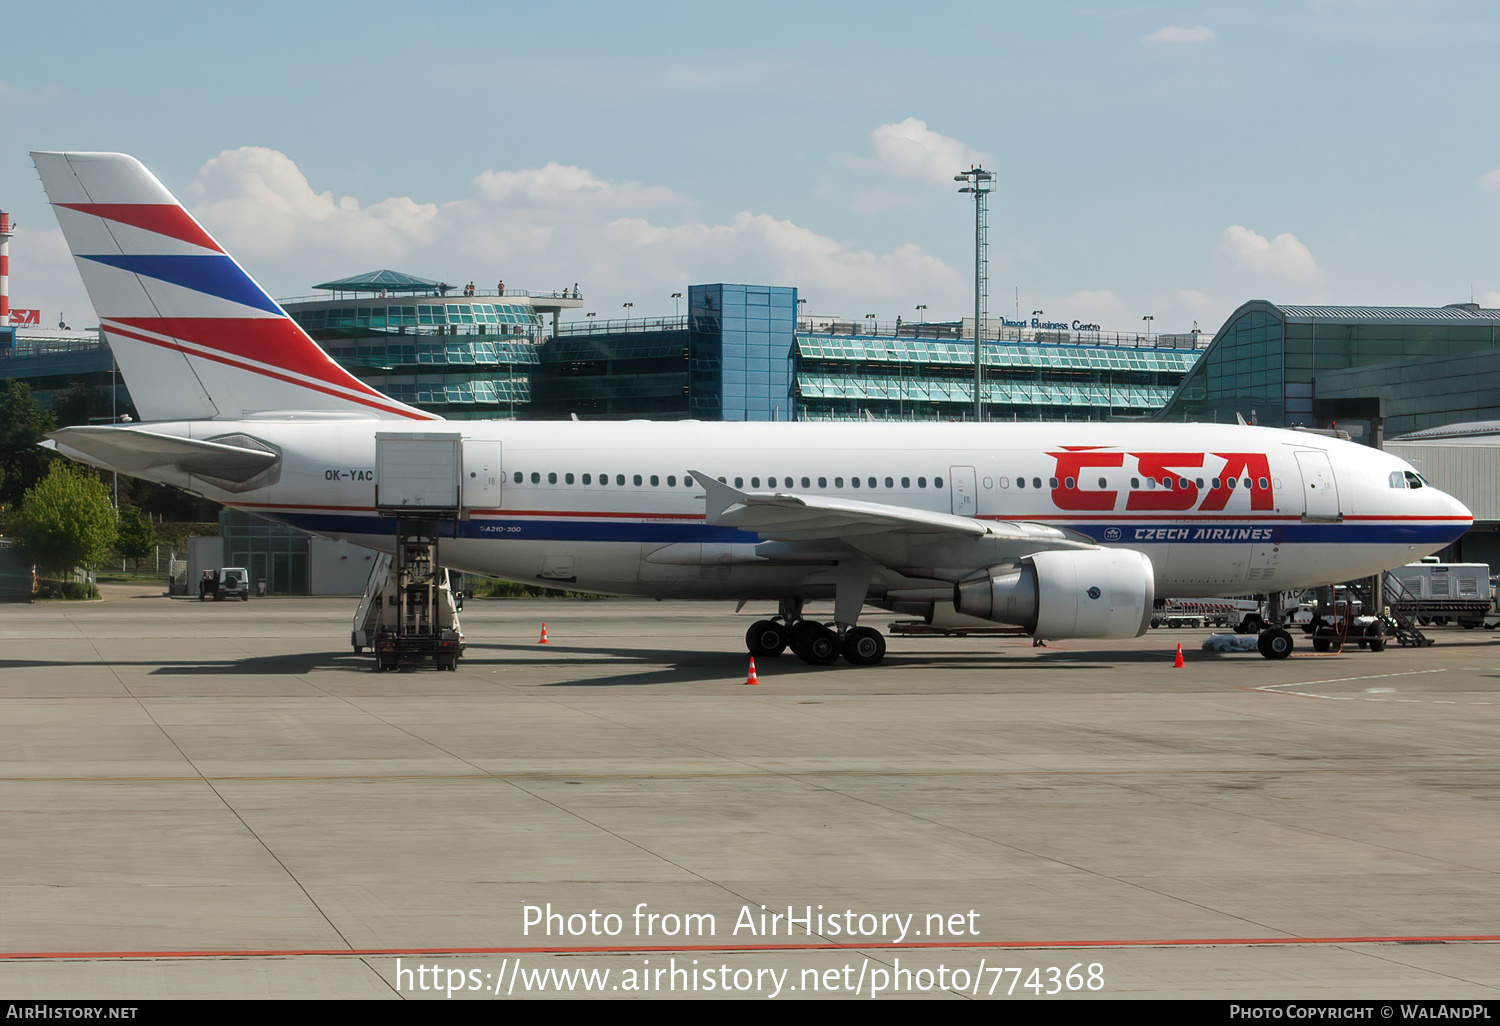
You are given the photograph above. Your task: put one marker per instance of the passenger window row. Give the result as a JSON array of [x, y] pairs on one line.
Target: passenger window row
[[639, 481], [856, 483], [588, 479]]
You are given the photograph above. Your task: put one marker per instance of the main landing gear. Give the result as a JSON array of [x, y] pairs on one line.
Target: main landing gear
[[814, 643]]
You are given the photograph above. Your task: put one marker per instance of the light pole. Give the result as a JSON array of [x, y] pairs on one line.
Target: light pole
[[626, 307], [676, 304], [870, 323], [921, 313], [978, 182], [801, 303], [1148, 319], [589, 317]]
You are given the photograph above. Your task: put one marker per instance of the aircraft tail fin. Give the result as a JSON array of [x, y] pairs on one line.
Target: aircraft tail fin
[[194, 335]]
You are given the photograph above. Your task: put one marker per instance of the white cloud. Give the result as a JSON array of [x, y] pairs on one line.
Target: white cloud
[[259, 199], [911, 150], [559, 185], [542, 228], [1491, 180], [1177, 34], [1283, 257]]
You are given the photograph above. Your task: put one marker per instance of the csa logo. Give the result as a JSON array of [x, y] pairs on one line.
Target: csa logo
[[1112, 534]]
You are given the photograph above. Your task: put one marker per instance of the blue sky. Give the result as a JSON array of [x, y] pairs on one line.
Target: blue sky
[[1171, 159]]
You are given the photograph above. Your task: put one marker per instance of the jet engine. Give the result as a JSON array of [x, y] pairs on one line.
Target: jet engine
[[1077, 593]]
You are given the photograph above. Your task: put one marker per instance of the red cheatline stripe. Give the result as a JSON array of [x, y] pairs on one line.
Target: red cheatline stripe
[[1378, 516], [1030, 517], [163, 218], [1159, 942], [409, 414]]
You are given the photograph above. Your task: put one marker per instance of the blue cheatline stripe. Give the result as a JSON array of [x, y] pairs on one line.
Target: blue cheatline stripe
[[1396, 533], [527, 530], [211, 275], [665, 533]]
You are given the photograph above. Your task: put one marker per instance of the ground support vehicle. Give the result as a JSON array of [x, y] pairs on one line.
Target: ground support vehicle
[[1438, 594], [232, 582], [408, 615], [1204, 612]]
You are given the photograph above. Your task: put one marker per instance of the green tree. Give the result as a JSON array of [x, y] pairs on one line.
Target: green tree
[[66, 520], [137, 535], [22, 425]]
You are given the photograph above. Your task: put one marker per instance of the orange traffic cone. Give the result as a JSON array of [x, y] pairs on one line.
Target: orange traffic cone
[[1179, 664], [752, 679], [544, 636]]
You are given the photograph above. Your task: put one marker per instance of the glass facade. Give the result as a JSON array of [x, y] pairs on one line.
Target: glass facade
[[613, 374], [464, 360], [740, 341], [1265, 361], [270, 551], [915, 378]]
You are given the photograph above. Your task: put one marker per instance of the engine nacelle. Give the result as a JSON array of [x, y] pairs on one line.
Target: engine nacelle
[[1066, 593]]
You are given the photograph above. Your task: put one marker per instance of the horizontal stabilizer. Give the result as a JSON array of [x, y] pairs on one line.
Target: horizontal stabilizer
[[136, 451]]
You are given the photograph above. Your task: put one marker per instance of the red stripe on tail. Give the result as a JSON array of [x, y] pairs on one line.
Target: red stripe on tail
[[162, 218]]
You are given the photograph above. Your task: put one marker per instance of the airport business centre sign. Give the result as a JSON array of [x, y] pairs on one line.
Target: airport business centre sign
[[1037, 322]]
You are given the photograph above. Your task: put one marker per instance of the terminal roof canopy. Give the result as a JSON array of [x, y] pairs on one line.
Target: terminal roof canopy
[[380, 281]]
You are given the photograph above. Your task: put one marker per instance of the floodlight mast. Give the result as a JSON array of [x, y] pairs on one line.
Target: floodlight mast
[[978, 181]]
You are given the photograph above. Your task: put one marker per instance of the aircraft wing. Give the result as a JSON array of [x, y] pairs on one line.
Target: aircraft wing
[[134, 451], [779, 516]]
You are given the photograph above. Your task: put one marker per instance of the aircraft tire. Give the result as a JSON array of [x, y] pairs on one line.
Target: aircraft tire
[[1275, 643], [819, 645], [767, 639], [864, 646]]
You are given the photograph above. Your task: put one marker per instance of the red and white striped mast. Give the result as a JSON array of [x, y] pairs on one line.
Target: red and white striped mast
[[6, 231]]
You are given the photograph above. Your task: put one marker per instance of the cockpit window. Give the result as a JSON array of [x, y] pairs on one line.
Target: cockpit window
[[1398, 479], [1414, 480]]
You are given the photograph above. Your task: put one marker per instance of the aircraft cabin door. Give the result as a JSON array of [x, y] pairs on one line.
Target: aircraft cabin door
[[965, 491], [1320, 492], [483, 477]]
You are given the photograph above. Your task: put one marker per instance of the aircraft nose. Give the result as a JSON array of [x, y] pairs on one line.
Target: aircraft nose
[[1460, 510], [1452, 509]]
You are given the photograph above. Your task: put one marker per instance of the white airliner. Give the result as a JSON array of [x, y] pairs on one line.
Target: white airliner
[[1065, 530]]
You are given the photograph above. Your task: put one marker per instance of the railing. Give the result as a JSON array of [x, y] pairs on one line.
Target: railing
[[954, 332], [452, 292], [590, 326], [44, 346]]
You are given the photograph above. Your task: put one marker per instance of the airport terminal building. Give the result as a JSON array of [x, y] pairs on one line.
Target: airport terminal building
[[1367, 369]]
